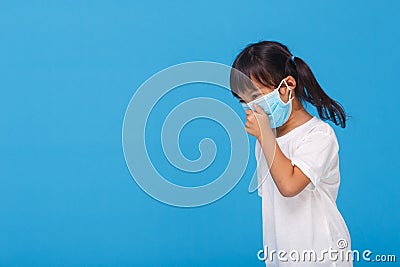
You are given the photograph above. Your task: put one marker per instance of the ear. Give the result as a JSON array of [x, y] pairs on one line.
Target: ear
[[290, 80]]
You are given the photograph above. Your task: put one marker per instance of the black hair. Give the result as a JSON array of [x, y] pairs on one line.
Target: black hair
[[268, 62]]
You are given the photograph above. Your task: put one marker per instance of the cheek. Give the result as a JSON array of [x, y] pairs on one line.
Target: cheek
[[285, 98], [284, 95]]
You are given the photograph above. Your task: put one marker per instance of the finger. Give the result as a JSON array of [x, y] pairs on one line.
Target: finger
[[250, 118], [248, 111]]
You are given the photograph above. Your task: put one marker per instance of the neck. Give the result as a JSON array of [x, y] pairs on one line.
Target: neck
[[297, 117]]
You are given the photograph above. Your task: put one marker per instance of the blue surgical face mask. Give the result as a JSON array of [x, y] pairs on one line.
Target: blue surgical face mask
[[278, 112]]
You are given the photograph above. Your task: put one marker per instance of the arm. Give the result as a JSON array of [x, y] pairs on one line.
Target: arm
[[289, 179]]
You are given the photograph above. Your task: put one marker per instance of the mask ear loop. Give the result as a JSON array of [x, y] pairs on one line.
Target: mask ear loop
[[290, 89], [280, 84]]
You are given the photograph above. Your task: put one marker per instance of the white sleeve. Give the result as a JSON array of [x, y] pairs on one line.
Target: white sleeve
[[259, 180], [315, 155]]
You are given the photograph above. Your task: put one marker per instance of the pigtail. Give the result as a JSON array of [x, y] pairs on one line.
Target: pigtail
[[309, 90]]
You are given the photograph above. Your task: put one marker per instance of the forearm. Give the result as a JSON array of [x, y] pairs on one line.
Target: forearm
[[288, 179]]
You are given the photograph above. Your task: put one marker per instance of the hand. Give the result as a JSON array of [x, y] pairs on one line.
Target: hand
[[257, 122]]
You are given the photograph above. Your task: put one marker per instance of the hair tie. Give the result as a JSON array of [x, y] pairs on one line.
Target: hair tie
[[292, 58]]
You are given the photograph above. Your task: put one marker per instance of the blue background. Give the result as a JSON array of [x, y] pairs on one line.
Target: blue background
[[67, 72]]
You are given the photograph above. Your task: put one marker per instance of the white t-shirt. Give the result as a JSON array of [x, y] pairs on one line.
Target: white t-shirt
[[309, 220]]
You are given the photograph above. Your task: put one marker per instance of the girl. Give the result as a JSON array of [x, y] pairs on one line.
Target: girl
[[297, 156]]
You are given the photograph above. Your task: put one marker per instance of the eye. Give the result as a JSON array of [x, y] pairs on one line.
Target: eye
[[255, 96]]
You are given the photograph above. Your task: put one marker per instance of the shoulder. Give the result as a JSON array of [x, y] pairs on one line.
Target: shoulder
[[321, 131]]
